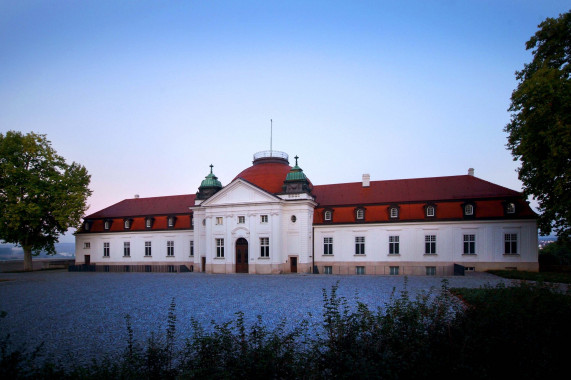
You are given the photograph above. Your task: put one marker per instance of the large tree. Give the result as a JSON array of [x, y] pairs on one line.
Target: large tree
[[540, 126], [41, 196]]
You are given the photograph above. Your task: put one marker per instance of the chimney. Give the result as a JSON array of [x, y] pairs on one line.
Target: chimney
[[366, 180], [136, 196], [471, 172]]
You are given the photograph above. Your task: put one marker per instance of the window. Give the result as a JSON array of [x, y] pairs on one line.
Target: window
[[192, 248], [394, 271], [126, 249], [293, 218], [510, 208], [263, 219], [431, 271], [360, 215], [359, 270], [105, 249], [220, 248], [264, 247], [430, 244], [359, 245], [86, 226], [327, 245], [393, 245], [148, 222], [241, 219], [127, 224], [170, 269], [469, 210], [469, 244], [107, 225], [148, 248], [327, 215], [394, 212], [86, 245], [170, 221], [170, 248], [192, 222], [328, 269], [430, 211], [219, 220], [510, 244]]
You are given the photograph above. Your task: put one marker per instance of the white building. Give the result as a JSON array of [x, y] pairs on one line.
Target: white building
[[272, 219]]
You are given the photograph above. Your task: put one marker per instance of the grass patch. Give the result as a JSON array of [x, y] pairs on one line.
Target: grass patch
[[563, 278]]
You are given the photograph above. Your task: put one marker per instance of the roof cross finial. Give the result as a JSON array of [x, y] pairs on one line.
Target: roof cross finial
[[296, 157], [211, 166]]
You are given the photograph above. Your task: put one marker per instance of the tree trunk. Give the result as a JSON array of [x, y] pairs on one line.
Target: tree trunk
[[27, 258]]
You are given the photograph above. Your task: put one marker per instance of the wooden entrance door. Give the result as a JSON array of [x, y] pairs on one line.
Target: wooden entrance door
[[293, 264], [241, 255], [87, 259], [203, 262]]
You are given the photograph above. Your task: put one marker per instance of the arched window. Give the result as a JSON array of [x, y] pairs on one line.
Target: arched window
[[430, 211], [394, 212], [360, 215], [469, 210], [327, 215], [510, 208]]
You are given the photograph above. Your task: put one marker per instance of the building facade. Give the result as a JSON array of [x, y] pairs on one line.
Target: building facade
[[271, 219]]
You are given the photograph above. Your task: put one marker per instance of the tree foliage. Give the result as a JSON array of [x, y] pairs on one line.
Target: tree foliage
[[540, 126], [41, 196]]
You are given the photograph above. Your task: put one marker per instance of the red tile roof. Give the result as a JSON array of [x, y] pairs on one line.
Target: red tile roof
[[175, 204], [268, 176], [409, 190]]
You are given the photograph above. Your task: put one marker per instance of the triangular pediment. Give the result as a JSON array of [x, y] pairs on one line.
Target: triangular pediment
[[240, 192]]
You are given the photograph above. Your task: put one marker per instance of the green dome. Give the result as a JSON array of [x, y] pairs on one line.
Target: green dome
[[210, 180], [296, 174]]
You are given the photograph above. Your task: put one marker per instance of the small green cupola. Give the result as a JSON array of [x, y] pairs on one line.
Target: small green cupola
[[296, 181], [209, 186]]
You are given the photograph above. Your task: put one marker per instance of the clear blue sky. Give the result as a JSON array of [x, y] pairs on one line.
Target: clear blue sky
[[147, 94]]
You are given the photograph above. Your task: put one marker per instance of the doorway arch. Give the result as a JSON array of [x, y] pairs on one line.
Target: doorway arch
[[241, 255]]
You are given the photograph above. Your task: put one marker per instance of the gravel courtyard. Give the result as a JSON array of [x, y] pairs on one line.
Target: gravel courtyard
[[83, 313]]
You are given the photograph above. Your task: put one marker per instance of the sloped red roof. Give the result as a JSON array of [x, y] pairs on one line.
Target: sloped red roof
[[268, 176], [409, 190], [175, 204]]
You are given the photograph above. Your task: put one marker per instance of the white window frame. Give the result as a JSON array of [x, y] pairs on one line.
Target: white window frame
[[265, 247], [219, 248], [127, 224], [264, 219], [241, 219], [148, 223], [148, 249], [430, 211], [327, 215], [170, 248], [170, 221], [469, 210], [469, 244], [126, 249], [86, 245], [511, 246], [328, 246], [106, 225], [360, 214], [394, 212], [430, 244], [359, 245], [510, 208], [394, 245]]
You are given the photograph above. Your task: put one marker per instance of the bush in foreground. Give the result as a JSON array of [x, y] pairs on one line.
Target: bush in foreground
[[516, 331]]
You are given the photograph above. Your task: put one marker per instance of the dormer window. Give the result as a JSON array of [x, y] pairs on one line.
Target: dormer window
[[87, 225], [149, 222], [170, 221], [469, 210], [430, 211], [327, 215], [360, 214], [127, 223], [191, 222], [393, 212], [510, 208], [107, 224]]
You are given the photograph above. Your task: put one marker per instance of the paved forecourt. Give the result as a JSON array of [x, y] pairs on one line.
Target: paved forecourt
[[84, 313]]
